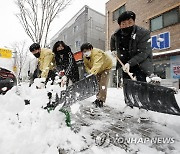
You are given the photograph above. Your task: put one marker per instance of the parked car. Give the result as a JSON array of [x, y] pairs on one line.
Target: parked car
[[7, 80]]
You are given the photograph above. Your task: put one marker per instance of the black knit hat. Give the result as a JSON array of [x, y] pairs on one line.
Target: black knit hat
[[86, 46], [126, 16], [34, 46]]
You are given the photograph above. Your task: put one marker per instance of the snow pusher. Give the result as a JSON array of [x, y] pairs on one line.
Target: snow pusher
[[79, 91], [149, 96]]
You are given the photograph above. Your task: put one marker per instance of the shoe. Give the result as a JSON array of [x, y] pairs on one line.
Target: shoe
[[99, 103], [94, 101]]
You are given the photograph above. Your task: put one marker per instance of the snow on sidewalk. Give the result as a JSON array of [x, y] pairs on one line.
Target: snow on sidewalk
[[29, 129]]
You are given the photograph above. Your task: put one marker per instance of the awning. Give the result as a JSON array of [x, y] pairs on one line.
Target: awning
[[78, 56], [166, 53]]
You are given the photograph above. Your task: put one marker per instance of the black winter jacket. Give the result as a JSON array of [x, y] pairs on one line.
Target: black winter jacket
[[65, 61], [140, 51]]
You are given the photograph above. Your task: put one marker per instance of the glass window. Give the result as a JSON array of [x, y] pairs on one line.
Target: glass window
[[156, 23], [77, 45], [75, 29], [115, 15], [118, 12], [122, 9], [171, 17], [165, 19]]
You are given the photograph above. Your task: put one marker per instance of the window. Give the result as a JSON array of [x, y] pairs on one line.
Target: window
[[166, 19], [171, 17], [117, 12], [156, 23], [77, 45], [75, 29]]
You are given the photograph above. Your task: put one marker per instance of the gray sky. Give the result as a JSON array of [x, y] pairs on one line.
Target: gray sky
[[11, 30]]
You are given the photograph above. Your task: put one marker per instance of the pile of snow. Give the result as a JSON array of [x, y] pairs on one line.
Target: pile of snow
[[29, 129], [153, 79]]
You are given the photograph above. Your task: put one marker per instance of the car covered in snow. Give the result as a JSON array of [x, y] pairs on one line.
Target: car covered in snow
[[7, 80]]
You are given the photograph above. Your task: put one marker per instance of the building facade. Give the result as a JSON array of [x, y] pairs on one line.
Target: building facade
[[87, 25], [162, 18]]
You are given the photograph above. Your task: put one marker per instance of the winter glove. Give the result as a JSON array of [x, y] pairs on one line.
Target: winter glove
[[153, 79], [61, 73], [126, 67], [63, 81], [114, 53]]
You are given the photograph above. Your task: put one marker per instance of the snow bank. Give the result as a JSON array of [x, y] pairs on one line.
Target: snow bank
[[29, 129]]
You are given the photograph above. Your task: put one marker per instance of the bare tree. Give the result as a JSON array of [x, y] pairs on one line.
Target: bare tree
[[36, 17], [20, 56]]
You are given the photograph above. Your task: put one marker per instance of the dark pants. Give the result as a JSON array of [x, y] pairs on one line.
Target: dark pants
[[140, 75], [51, 76]]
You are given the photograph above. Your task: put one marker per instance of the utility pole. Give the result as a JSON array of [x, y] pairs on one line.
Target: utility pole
[[15, 70], [15, 63]]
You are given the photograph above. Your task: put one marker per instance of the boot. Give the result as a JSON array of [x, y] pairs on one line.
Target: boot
[[99, 103]]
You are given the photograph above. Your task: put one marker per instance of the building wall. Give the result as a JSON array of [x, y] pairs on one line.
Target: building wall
[[73, 31], [90, 27], [144, 10], [96, 29]]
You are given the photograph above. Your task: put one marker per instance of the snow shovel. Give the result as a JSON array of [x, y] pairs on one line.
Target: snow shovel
[[149, 96]]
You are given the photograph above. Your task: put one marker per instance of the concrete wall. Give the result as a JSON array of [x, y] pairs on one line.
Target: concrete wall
[[90, 27], [96, 29]]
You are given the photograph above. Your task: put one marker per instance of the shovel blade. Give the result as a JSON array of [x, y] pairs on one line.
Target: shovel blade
[[150, 97]]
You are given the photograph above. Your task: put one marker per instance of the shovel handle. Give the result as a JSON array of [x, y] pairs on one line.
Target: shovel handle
[[130, 74]]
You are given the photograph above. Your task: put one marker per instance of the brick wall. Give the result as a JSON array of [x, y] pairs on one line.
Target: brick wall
[[144, 11]]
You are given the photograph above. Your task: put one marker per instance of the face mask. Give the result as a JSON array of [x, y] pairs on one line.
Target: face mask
[[87, 53], [37, 55], [127, 30], [61, 52]]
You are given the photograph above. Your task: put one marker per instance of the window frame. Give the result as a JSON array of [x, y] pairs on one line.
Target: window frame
[[163, 21], [118, 11]]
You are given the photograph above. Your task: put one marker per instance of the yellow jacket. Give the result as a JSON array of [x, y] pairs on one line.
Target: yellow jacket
[[46, 62], [99, 61]]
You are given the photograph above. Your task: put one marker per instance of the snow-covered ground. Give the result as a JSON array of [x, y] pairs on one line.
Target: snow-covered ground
[[29, 129]]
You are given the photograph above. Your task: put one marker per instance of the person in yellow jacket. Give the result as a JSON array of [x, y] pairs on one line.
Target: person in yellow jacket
[[46, 62], [97, 62]]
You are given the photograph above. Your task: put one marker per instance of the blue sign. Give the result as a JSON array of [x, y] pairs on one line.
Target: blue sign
[[161, 41]]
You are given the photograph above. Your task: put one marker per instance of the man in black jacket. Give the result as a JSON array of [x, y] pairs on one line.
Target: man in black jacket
[[132, 45]]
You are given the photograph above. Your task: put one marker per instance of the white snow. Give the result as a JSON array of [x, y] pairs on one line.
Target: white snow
[[29, 129], [154, 79], [75, 108], [39, 82], [4, 88]]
